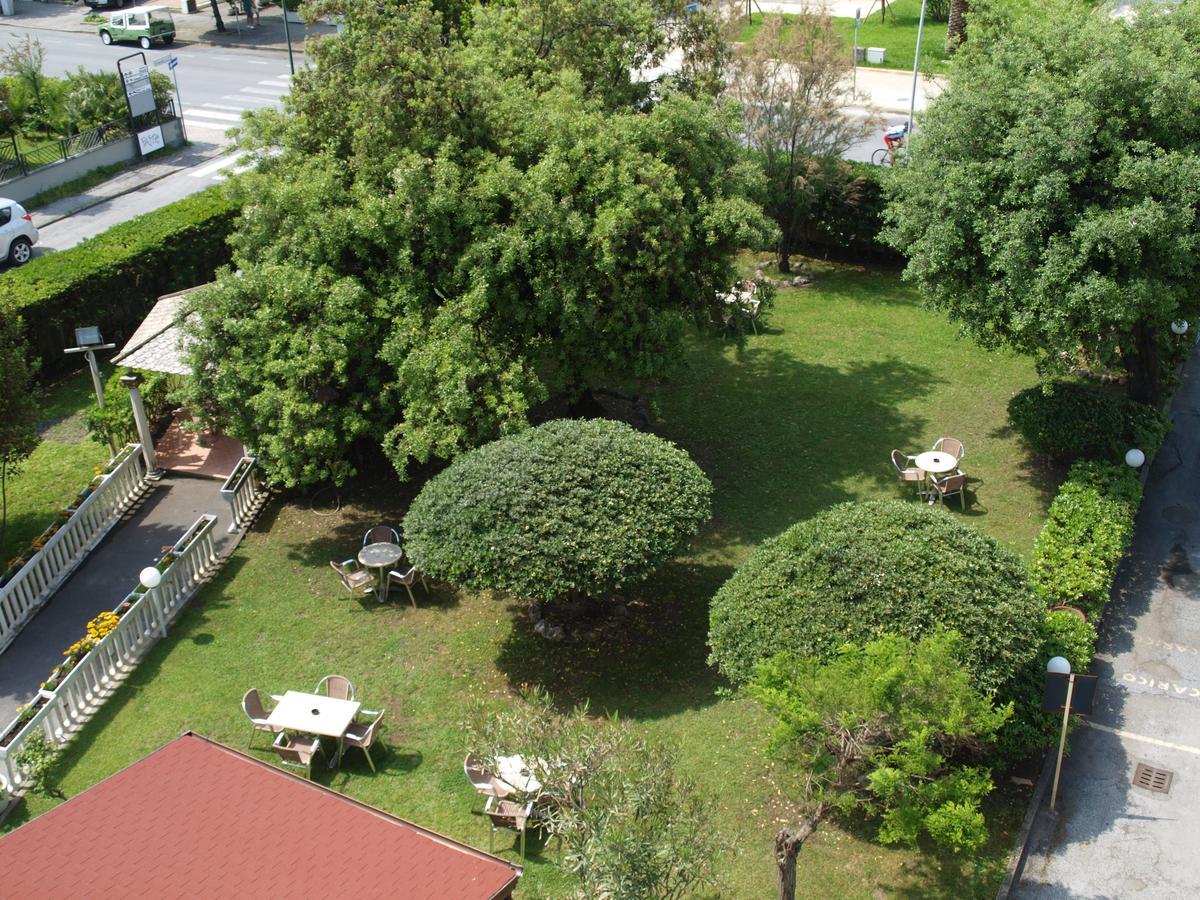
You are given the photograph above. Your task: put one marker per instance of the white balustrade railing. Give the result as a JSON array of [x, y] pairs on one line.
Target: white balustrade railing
[[36, 581], [241, 490], [145, 617]]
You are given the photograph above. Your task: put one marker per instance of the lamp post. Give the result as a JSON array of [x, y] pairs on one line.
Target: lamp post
[[912, 105], [150, 577], [857, 22], [287, 33], [1179, 327], [1061, 666], [1134, 458], [89, 341]]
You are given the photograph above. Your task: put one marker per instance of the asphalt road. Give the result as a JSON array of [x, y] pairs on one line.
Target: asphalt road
[[215, 83]]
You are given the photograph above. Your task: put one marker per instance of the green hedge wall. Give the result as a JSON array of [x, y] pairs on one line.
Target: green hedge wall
[[846, 218], [113, 279], [1088, 529]]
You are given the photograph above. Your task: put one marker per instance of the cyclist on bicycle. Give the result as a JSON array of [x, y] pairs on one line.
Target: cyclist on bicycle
[[894, 137]]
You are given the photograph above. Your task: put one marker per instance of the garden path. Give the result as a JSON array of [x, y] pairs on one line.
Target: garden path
[[108, 574], [1110, 838]]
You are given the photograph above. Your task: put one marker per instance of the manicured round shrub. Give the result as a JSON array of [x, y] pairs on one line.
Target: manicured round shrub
[[859, 570], [572, 508]]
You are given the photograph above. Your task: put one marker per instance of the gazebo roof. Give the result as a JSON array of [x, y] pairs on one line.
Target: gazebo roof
[[159, 344]]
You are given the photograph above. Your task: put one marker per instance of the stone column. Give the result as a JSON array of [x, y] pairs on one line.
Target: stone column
[[131, 381]]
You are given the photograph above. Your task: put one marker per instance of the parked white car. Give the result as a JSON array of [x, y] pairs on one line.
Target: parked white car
[[17, 234]]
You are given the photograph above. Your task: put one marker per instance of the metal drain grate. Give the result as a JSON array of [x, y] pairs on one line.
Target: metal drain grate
[[1153, 779]]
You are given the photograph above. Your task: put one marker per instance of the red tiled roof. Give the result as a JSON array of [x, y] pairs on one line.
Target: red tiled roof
[[199, 819]]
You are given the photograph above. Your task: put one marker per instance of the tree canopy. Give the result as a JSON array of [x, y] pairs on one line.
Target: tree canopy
[[445, 231], [1050, 202], [572, 508], [894, 728]]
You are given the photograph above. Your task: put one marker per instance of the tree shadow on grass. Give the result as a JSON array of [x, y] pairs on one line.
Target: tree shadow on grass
[[779, 436], [1040, 473], [654, 665]]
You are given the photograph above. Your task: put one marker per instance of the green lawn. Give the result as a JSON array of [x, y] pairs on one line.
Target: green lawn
[[59, 468], [897, 35], [800, 417]]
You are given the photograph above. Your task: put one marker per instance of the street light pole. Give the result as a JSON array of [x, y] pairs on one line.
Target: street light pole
[[287, 33], [912, 105], [857, 21]]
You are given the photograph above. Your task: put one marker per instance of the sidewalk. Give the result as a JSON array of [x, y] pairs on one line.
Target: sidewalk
[[195, 28], [1111, 838], [133, 179]]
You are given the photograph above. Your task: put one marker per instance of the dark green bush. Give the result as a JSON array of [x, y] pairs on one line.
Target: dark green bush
[[1088, 529], [113, 279], [1069, 420], [570, 508], [859, 570], [1061, 633], [845, 218]]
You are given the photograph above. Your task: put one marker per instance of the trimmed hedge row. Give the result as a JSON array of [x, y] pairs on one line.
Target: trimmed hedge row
[[1088, 529], [1068, 420], [113, 279]]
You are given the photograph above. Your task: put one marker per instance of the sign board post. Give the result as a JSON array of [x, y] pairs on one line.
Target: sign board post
[[172, 64], [139, 97], [1073, 694]]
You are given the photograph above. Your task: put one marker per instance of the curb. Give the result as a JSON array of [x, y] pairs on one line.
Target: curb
[[1016, 859], [132, 189]]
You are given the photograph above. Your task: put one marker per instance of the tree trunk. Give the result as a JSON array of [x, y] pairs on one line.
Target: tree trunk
[[788, 842], [956, 29], [1144, 365], [783, 259], [217, 15]]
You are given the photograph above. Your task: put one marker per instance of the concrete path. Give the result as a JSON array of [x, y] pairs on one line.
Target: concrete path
[[108, 574], [1111, 839]]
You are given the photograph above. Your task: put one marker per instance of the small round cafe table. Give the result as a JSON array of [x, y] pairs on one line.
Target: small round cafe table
[[381, 556]]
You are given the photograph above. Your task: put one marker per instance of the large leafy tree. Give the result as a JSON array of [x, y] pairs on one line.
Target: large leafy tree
[[496, 225], [1051, 200], [890, 729]]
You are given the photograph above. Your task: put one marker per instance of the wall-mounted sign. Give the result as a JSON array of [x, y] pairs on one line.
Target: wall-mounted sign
[[151, 139]]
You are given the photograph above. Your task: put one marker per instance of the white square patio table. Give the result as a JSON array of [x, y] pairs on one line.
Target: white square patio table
[[937, 462], [315, 714]]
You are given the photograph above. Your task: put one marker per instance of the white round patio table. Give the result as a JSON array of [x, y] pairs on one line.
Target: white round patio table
[[381, 556], [937, 462]]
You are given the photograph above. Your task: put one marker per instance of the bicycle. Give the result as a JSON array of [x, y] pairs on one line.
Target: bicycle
[[896, 139]]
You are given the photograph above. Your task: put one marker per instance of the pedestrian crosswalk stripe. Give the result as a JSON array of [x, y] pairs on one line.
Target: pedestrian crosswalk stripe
[[209, 114], [222, 106], [265, 93], [282, 85], [224, 162]]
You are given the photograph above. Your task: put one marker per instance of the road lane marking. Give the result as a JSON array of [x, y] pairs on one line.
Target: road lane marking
[[1129, 735], [257, 62], [283, 86], [236, 109], [1163, 685], [260, 91], [249, 101]]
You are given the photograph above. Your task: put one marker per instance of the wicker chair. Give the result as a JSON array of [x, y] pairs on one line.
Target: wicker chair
[[297, 753], [363, 736], [953, 446], [354, 577], [907, 473], [483, 781], [337, 686], [252, 705], [507, 815], [381, 534], [408, 579], [948, 486]]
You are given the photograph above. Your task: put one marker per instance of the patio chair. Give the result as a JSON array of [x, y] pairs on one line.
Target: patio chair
[[297, 753], [252, 705], [908, 473], [483, 781], [354, 577], [953, 446], [945, 487], [337, 686], [507, 815], [407, 579], [363, 736], [381, 534]]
